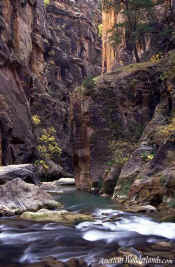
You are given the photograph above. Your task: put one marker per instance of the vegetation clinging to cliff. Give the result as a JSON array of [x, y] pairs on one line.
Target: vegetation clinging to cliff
[[139, 19], [46, 2]]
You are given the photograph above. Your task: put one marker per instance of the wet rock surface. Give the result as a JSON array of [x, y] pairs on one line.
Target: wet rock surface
[[66, 181], [61, 216], [112, 235], [59, 186], [51, 262]]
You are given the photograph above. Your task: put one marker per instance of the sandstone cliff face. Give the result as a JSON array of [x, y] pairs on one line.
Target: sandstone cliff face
[[16, 40], [81, 132], [73, 47], [116, 109], [72, 53], [45, 53], [122, 52], [129, 117], [110, 53]]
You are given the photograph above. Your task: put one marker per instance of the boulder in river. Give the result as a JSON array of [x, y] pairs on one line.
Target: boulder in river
[[23, 171], [140, 208], [61, 216], [58, 186], [18, 196], [66, 181], [51, 187], [54, 171]]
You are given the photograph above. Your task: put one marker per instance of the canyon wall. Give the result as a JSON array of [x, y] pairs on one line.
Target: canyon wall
[[111, 53], [45, 52], [119, 50], [125, 125], [17, 42]]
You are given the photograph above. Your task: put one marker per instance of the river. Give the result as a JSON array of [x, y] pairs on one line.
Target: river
[[28, 242]]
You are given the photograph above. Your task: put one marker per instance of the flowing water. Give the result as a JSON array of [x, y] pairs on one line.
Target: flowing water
[[28, 242]]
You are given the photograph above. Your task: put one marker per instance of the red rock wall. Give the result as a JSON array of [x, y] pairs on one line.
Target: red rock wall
[[44, 53], [119, 54]]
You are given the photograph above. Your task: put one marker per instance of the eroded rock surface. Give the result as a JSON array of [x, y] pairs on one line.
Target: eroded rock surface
[[23, 171], [18, 196], [112, 114], [45, 52], [126, 132], [159, 39]]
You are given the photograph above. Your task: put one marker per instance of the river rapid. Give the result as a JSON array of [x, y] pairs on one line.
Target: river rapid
[[29, 242]]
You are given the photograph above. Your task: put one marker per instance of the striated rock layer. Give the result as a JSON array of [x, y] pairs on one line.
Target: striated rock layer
[[45, 51], [118, 41]]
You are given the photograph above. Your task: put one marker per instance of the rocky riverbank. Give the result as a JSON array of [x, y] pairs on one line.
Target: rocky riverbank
[[33, 201], [112, 235]]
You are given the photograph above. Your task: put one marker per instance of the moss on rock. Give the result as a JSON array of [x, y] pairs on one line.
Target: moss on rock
[[61, 216]]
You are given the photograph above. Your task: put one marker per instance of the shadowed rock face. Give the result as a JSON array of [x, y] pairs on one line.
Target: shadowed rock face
[[17, 139], [117, 108], [74, 50], [129, 115], [81, 133], [44, 54]]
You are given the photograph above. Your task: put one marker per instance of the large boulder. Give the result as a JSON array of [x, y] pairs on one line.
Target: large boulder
[[59, 186], [61, 216], [66, 181], [18, 196], [23, 171], [53, 172]]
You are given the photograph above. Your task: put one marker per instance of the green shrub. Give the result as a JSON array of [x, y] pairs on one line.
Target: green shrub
[[48, 147], [100, 27], [147, 156], [156, 58], [121, 151], [46, 2], [36, 120], [88, 83]]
